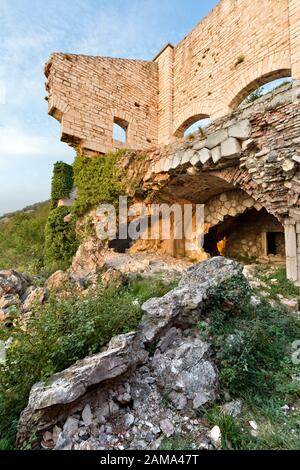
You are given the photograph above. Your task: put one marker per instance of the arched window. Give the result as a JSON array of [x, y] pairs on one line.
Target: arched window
[[201, 124], [260, 86], [265, 89], [120, 129], [192, 125]]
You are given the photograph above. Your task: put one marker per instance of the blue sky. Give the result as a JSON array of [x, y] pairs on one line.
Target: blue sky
[[30, 30]]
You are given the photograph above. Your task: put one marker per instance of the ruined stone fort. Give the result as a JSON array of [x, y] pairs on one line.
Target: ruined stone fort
[[244, 166]]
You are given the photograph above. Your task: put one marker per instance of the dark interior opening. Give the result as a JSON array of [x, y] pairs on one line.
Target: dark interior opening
[[272, 243], [211, 242], [120, 245]]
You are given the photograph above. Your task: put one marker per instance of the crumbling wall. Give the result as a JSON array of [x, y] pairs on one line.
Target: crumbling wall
[[86, 94], [240, 45]]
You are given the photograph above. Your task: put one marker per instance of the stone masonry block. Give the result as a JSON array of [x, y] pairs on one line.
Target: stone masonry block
[[216, 138], [230, 148], [216, 154], [205, 155], [240, 130]]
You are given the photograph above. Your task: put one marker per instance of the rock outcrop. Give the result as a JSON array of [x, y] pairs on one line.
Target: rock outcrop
[[145, 386], [16, 290]]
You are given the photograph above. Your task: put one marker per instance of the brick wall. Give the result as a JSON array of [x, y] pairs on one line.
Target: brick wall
[[87, 93], [208, 79], [240, 45], [294, 18]]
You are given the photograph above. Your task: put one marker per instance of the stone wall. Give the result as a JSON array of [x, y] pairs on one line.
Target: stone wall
[[250, 159], [240, 42], [248, 238], [240, 45], [86, 94]]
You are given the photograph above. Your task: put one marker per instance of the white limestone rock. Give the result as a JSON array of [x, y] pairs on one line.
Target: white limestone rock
[[241, 130], [230, 148], [215, 139]]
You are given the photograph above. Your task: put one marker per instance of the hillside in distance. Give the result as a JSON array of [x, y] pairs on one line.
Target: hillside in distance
[[22, 238]]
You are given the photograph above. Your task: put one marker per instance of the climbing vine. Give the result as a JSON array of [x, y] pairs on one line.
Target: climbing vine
[[97, 179], [60, 239], [62, 181]]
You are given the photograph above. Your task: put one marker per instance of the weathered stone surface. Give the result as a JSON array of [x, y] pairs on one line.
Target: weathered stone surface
[[68, 386], [199, 145], [8, 300], [230, 148], [58, 280], [288, 166], [216, 154], [204, 155], [234, 408], [185, 301], [215, 139], [186, 368], [129, 381], [87, 416], [216, 436], [35, 297], [241, 130], [167, 427], [13, 282]]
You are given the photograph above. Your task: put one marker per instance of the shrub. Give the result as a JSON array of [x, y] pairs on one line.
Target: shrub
[[233, 436], [252, 344], [97, 179], [61, 332], [60, 239], [62, 181], [22, 239]]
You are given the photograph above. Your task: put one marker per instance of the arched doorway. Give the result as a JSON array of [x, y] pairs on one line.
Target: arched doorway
[[253, 235]]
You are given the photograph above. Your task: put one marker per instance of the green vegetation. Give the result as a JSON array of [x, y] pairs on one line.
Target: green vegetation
[[22, 239], [60, 235], [240, 59], [253, 350], [97, 179], [277, 283], [177, 442], [255, 95], [62, 181], [61, 332], [60, 240]]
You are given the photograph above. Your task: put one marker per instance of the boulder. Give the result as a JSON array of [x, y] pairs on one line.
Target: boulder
[[58, 280], [13, 282], [182, 306], [72, 384], [35, 297]]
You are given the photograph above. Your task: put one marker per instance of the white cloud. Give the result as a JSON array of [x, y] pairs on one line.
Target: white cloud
[[14, 141]]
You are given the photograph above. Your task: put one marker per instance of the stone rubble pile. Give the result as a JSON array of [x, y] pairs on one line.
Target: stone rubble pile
[[16, 290], [145, 387]]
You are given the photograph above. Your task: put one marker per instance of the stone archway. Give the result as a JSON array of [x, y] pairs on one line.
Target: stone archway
[[238, 227]]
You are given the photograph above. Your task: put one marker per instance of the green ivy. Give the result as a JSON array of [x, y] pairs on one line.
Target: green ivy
[[97, 179], [60, 239], [62, 181]]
